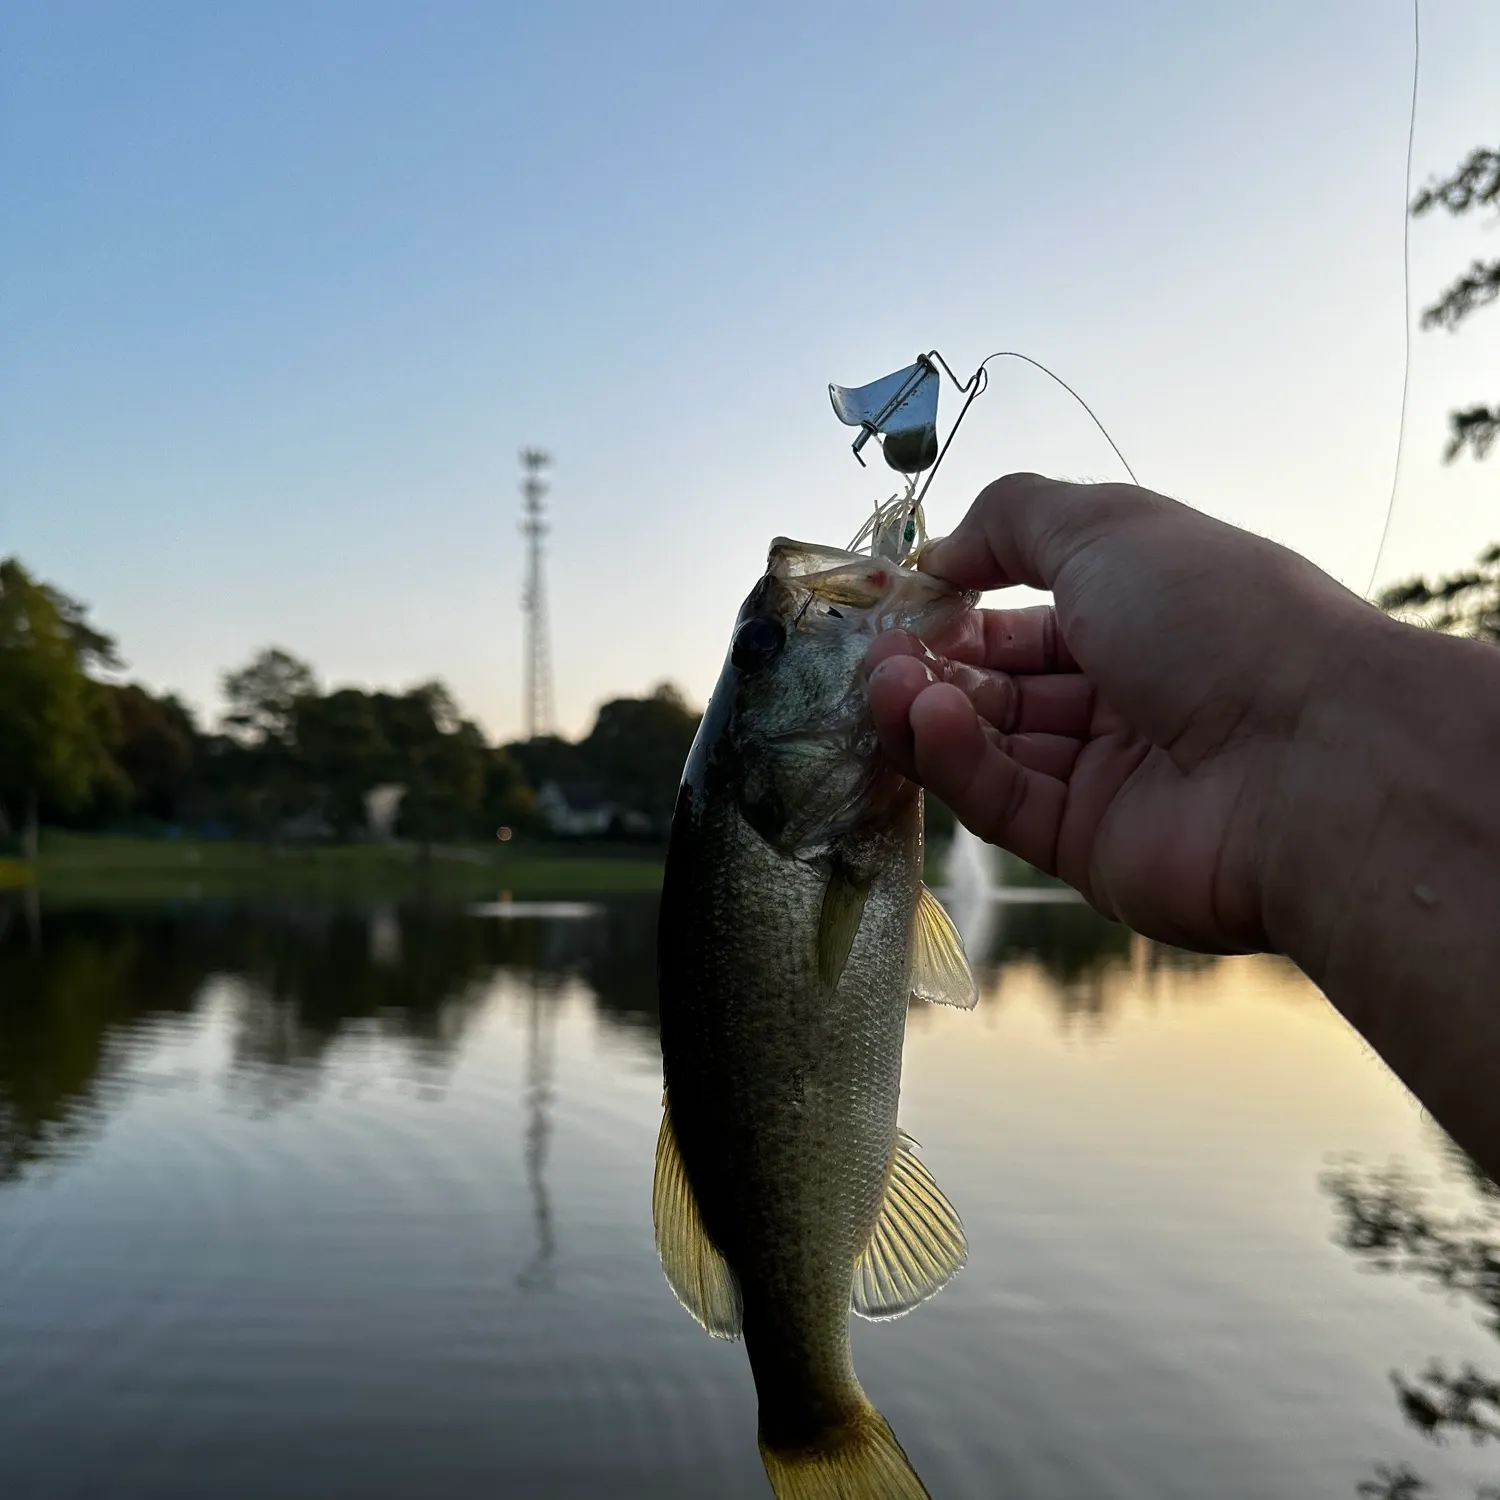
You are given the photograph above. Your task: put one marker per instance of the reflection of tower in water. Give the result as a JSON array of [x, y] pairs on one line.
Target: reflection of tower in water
[[541, 1060]]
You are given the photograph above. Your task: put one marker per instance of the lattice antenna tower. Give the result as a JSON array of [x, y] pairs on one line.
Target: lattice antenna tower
[[534, 595]]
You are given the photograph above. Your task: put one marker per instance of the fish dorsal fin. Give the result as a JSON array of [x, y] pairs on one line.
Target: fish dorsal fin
[[697, 1273], [843, 907], [918, 1245], [939, 970]]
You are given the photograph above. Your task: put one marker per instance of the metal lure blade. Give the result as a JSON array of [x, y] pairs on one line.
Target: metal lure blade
[[901, 408]]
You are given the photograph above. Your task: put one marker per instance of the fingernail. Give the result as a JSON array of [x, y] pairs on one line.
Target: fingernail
[[924, 555]]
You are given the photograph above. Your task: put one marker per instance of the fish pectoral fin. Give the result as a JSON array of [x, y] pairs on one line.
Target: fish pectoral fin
[[918, 1245], [843, 907], [698, 1274], [939, 970]]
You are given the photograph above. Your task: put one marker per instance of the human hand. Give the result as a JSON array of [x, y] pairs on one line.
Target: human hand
[[1148, 738]]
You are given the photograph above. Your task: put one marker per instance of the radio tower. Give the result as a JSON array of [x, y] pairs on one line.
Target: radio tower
[[534, 596]]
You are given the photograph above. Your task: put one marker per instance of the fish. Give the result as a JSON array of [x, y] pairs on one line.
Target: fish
[[794, 930]]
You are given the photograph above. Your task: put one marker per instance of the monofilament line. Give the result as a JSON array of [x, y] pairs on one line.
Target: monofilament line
[[1037, 364], [976, 385], [1411, 132]]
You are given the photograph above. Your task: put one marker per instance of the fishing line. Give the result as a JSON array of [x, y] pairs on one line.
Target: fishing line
[[981, 378], [897, 527], [1411, 131]]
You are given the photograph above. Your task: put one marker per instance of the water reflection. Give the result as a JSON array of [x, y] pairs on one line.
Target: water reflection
[[541, 1051], [1074, 948], [1446, 1238], [81, 987], [358, 1200], [66, 1009]]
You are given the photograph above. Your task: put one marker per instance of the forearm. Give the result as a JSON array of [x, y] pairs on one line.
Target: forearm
[[1383, 876]]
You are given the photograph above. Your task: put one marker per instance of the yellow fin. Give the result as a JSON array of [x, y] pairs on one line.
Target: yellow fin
[[859, 1460], [697, 1273], [918, 1245], [843, 906], [939, 970]]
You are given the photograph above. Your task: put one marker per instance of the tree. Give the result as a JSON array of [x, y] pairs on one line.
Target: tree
[[633, 755], [549, 757], [1394, 1226], [507, 801], [1462, 604], [342, 747], [351, 741], [637, 748], [263, 696], [154, 742], [1474, 186], [443, 770], [263, 778], [53, 715]]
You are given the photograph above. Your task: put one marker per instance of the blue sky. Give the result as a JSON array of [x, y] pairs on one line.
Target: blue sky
[[285, 287]]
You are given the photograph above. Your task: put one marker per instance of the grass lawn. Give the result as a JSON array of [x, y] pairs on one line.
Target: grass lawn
[[74, 867], [107, 867]]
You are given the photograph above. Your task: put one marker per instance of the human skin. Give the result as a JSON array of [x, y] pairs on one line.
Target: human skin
[[1219, 745]]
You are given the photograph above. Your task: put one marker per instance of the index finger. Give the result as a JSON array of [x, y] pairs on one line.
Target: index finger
[[1025, 529], [1009, 640]]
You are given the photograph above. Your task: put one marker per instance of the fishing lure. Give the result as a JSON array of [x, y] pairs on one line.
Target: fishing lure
[[900, 412]]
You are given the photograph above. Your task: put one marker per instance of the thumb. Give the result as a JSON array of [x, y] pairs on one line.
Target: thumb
[[1025, 529]]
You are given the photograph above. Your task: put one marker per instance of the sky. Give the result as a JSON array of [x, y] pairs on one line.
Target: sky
[[284, 288]]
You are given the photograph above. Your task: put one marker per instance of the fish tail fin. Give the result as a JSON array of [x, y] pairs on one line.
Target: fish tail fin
[[858, 1460]]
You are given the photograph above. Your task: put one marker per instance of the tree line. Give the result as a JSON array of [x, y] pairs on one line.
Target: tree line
[[80, 748], [1468, 602]]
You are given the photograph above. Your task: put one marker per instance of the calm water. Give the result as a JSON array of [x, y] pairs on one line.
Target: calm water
[[319, 1202]]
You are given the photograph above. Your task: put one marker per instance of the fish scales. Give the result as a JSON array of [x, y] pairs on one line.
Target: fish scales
[[794, 930], [784, 1098]]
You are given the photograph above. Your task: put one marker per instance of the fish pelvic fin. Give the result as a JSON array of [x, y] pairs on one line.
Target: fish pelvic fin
[[939, 970], [918, 1246], [858, 1460], [697, 1272]]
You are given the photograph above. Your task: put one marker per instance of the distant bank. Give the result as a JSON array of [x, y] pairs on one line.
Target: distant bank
[[84, 867]]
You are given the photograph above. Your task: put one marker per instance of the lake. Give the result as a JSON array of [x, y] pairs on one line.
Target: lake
[[308, 1200]]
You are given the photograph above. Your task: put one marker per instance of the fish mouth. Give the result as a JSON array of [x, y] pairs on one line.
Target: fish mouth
[[835, 576], [887, 595]]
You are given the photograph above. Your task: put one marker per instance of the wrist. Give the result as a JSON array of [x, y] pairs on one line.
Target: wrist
[[1387, 793]]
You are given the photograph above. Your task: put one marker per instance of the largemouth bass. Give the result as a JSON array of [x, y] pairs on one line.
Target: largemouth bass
[[794, 930]]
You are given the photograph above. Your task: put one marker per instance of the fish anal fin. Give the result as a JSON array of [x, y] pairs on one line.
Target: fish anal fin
[[939, 970], [843, 907], [698, 1274], [918, 1245]]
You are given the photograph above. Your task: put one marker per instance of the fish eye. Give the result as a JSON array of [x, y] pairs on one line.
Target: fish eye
[[757, 643]]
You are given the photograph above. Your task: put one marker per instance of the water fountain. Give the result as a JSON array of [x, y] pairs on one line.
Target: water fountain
[[969, 890]]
